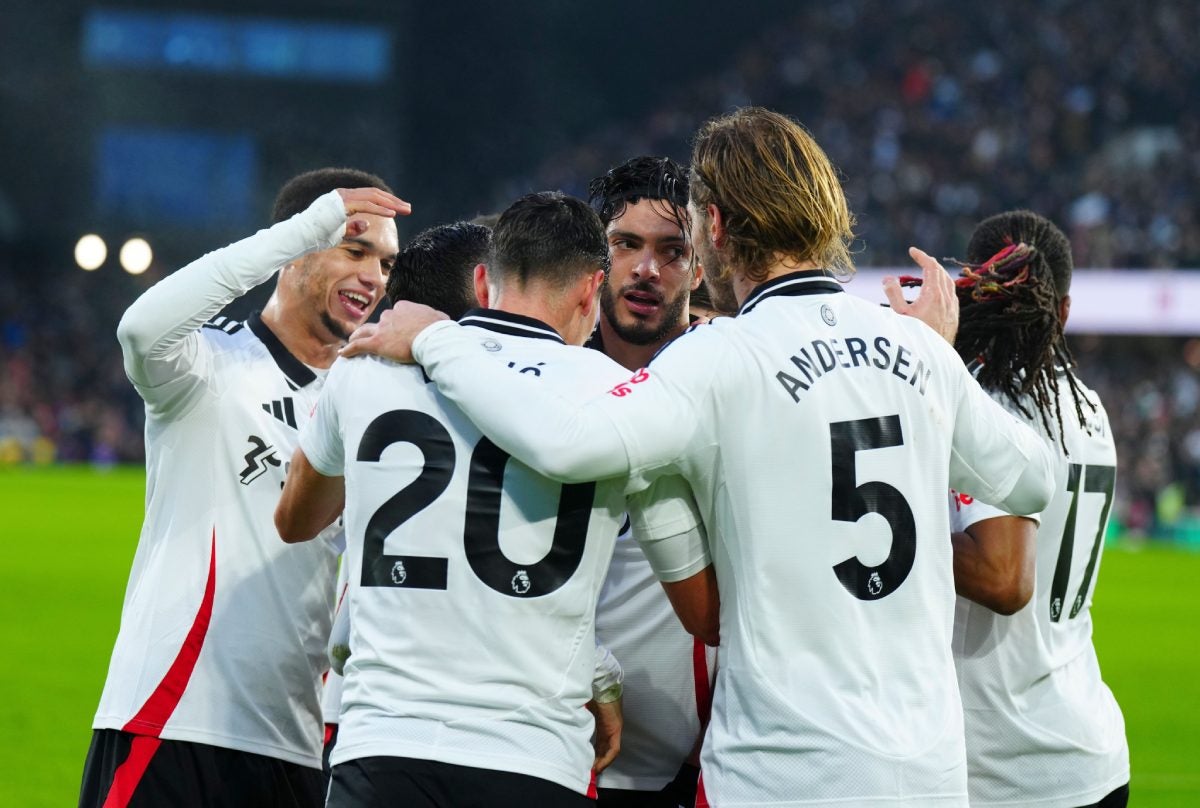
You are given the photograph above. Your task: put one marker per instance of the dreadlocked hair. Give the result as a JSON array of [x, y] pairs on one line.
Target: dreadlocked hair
[[1009, 320]]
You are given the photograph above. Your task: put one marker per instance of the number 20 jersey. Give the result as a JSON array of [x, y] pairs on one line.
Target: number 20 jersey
[[473, 580], [1042, 727]]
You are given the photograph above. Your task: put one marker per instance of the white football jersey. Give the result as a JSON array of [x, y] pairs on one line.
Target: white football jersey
[[331, 692], [1042, 727], [223, 627], [815, 430], [473, 580], [668, 673]]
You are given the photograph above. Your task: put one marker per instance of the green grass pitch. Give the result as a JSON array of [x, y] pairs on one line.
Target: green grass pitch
[[70, 535]]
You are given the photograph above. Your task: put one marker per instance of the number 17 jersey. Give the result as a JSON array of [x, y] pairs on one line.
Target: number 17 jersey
[[1042, 728], [473, 580]]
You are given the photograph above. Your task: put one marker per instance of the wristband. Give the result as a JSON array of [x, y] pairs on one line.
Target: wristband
[[608, 694]]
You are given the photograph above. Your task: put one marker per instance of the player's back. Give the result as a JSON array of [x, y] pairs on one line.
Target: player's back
[[1040, 720], [818, 461], [473, 580]]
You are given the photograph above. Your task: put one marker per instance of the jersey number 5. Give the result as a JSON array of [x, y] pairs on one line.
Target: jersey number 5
[[851, 502], [481, 532]]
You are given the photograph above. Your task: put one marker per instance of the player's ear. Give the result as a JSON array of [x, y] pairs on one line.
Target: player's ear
[[716, 226], [481, 287], [589, 292], [1064, 309]]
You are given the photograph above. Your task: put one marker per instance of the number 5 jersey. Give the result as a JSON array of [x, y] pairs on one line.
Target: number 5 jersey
[[1042, 727]]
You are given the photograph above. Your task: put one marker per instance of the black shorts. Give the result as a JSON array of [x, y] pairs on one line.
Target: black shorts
[[140, 771], [1117, 798], [623, 798], [386, 782]]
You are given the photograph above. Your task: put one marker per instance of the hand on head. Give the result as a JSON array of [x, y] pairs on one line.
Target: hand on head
[[392, 337], [936, 305], [370, 200]]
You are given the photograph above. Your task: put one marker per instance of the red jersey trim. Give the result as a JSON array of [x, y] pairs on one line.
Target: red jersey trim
[[701, 797], [162, 702], [701, 679]]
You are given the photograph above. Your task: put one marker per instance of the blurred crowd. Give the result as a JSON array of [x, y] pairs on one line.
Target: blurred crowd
[[1150, 387], [1083, 110], [63, 391]]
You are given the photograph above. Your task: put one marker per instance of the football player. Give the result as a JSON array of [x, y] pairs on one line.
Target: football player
[[1042, 727], [213, 689], [815, 430], [473, 580], [645, 303]]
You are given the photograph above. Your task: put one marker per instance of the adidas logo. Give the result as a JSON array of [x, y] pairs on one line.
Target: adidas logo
[[282, 410], [225, 324]]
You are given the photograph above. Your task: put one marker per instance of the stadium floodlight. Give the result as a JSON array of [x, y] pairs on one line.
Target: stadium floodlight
[[90, 252], [136, 256]]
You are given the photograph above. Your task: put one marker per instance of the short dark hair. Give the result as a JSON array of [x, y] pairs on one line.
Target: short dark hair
[[548, 236], [1017, 272], [644, 177], [437, 267], [303, 189]]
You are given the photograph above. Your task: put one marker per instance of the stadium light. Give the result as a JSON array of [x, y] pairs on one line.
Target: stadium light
[[90, 252], [136, 256]]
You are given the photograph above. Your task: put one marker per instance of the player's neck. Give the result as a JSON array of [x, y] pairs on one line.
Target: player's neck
[[298, 337], [782, 265], [550, 307], [628, 354]]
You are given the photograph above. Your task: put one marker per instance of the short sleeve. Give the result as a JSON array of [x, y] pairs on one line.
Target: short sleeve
[[665, 520], [321, 438]]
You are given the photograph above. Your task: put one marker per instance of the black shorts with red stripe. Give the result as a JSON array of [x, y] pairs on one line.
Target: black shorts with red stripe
[[386, 782], [139, 771]]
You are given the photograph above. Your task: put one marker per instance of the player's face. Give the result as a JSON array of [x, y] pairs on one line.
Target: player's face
[[342, 286], [646, 295]]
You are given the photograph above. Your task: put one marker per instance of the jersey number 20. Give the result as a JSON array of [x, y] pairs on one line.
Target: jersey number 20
[[481, 534]]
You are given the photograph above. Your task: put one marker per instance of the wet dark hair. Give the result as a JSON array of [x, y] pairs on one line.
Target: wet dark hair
[[1017, 272], [303, 189], [550, 237], [656, 178], [437, 267]]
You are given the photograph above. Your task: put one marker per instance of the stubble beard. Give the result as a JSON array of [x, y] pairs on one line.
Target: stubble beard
[[642, 332], [338, 330], [718, 281]]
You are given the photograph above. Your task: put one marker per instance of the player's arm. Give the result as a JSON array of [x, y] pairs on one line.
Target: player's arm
[[158, 332], [314, 492], [697, 603], [310, 501], [996, 458], [666, 523], [994, 562], [605, 707], [641, 423]]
